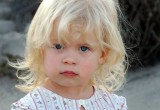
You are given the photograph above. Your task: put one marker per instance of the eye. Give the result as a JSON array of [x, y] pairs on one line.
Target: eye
[[58, 46], [84, 48]]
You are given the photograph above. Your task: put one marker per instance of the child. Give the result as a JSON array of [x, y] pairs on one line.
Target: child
[[75, 58]]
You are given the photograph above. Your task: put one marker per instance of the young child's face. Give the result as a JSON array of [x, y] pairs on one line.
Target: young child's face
[[73, 63]]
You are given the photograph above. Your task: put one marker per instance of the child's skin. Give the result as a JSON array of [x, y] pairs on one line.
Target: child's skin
[[70, 67]]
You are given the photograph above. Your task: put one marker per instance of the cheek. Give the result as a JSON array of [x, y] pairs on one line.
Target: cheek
[[90, 67], [49, 63]]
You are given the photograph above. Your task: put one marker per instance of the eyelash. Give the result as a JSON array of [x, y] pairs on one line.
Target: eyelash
[[58, 46], [86, 48], [82, 48]]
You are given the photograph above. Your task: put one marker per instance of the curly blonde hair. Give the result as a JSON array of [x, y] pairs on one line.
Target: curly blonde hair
[[99, 16]]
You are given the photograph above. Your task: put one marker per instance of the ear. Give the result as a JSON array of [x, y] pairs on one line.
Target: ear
[[103, 56]]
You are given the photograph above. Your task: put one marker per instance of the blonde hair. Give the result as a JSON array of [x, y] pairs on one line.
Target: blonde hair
[[99, 16]]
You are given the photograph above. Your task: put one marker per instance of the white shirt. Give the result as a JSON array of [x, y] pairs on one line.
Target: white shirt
[[44, 99]]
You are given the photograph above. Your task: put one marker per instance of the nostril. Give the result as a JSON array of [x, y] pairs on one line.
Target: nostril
[[69, 61]]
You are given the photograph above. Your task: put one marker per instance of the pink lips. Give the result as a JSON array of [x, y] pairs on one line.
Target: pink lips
[[69, 73]]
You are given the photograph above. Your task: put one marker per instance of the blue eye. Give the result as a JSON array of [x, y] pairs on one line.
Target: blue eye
[[58, 46], [84, 48]]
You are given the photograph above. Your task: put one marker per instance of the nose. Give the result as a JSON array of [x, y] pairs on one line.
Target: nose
[[70, 58], [69, 61]]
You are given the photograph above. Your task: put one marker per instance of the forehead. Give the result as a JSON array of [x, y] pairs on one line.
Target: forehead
[[74, 32]]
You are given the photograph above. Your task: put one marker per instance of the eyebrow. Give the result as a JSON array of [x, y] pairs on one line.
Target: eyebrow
[[54, 39], [91, 43], [88, 43]]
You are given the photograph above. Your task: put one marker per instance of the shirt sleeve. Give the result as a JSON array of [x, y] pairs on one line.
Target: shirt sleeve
[[20, 106], [121, 101], [24, 103]]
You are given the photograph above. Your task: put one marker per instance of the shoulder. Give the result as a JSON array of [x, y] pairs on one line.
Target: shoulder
[[29, 102], [24, 103], [115, 101], [120, 101]]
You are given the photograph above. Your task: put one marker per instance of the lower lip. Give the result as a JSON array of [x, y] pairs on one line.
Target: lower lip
[[69, 74]]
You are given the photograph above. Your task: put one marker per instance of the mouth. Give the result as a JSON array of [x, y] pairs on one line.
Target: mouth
[[69, 73]]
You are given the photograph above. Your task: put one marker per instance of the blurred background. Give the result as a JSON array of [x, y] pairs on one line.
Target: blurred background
[[141, 34]]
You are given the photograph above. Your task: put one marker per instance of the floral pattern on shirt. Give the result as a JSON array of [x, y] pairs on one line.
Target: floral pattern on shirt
[[44, 99]]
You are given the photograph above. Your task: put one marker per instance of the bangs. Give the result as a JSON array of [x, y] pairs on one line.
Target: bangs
[[74, 18], [75, 22]]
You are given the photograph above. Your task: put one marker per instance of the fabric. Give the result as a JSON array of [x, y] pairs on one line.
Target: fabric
[[44, 99]]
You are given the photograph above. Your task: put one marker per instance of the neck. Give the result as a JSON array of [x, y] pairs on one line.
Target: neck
[[78, 92]]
